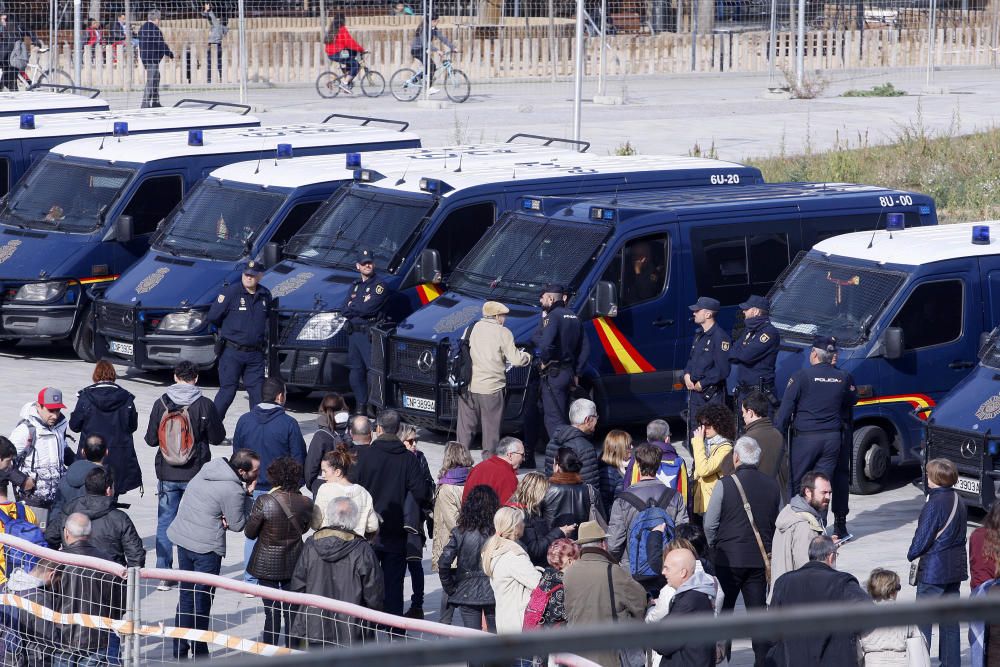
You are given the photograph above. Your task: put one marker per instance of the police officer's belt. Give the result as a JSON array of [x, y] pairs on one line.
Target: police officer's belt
[[243, 348]]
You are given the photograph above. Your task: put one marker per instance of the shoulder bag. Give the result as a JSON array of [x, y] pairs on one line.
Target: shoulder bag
[[756, 533], [915, 565], [288, 513]]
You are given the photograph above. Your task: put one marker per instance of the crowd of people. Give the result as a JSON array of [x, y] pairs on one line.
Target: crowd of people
[[603, 532]]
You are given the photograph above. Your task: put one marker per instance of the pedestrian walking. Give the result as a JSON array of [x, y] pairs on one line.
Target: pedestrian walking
[[106, 409], [563, 351], [331, 430], [336, 470], [240, 312], [798, 523], [42, 452], [492, 350], [890, 647], [708, 365], [217, 30], [499, 472], [712, 447], [754, 409], [577, 436], [460, 565], [512, 576], [694, 594], [364, 307], [152, 49], [755, 351]]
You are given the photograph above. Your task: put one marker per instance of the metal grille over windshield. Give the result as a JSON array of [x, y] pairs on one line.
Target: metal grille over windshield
[[56, 194], [831, 299], [989, 355], [522, 254], [356, 219], [218, 221]]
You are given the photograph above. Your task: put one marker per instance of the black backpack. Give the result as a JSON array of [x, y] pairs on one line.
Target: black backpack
[[460, 361]]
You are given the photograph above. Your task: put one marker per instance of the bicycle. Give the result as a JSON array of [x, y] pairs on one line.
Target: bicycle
[[329, 84], [407, 83], [35, 74]]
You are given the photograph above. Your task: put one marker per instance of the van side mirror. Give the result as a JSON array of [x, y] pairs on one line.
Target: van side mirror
[[604, 299], [428, 269], [271, 254], [124, 229], [892, 343]]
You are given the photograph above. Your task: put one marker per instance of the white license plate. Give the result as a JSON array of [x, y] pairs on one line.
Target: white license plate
[[967, 484], [417, 403], [120, 348]]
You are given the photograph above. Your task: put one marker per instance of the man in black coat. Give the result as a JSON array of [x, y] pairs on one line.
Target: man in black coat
[[389, 472], [695, 595], [817, 582], [576, 436]]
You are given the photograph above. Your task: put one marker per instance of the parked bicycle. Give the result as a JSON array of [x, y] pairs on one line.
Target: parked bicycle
[[38, 72], [406, 83], [329, 84]]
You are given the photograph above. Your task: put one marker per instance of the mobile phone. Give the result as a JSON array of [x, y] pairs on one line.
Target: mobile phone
[[844, 540]]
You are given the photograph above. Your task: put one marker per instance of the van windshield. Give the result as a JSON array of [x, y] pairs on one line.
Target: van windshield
[[521, 254], [355, 219], [56, 194], [831, 299], [989, 355], [218, 221]]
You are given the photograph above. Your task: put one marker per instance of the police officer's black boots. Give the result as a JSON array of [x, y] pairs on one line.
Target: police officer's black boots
[[840, 527]]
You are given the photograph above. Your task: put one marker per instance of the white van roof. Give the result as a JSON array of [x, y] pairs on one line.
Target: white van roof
[[102, 122], [252, 140], [914, 246], [44, 102]]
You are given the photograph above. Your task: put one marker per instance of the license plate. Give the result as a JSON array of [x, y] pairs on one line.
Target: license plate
[[120, 348], [417, 403], [968, 485]]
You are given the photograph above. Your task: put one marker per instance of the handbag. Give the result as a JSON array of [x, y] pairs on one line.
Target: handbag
[[756, 533], [917, 654], [915, 565]]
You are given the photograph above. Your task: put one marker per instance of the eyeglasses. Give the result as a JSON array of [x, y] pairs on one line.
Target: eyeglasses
[[521, 454]]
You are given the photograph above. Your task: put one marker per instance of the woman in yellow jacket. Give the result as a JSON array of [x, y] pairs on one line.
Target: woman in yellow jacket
[[712, 448]]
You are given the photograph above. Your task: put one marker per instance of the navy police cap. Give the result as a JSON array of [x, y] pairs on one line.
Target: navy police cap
[[554, 288], [365, 256], [755, 301], [254, 266], [828, 343], [706, 303]]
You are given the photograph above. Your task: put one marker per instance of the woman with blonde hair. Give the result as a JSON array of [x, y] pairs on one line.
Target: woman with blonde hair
[[455, 467], [512, 576], [888, 647], [611, 468], [538, 533]]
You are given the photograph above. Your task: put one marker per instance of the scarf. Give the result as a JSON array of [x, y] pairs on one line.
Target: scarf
[[565, 478], [455, 476]]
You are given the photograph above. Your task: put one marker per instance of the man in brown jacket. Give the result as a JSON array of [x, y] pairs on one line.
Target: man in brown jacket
[[491, 346], [773, 456], [592, 582]]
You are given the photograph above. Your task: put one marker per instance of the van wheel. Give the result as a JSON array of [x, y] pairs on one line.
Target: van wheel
[[83, 340], [870, 460]]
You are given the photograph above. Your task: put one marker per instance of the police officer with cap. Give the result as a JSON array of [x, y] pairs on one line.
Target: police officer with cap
[[563, 350], [364, 306], [755, 352], [240, 312], [817, 405], [708, 366]]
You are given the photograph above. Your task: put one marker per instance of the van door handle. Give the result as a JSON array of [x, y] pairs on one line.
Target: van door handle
[[959, 365], [661, 323]]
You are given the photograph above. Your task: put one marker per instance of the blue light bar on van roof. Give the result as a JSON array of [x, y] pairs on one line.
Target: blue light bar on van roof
[[434, 186], [27, 121], [529, 204], [353, 160], [925, 210], [598, 213], [367, 175], [981, 234], [196, 138], [283, 151], [895, 222], [121, 129]]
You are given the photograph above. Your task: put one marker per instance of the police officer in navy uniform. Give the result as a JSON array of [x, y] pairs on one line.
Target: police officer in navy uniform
[[563, 351], [817, 404], [364, 306], [708, 366], [240, 312], [755, 352]]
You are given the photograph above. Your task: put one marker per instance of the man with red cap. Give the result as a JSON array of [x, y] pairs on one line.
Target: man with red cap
[[40, 440]]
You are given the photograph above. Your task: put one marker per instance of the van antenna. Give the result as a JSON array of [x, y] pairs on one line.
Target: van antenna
[[402, 179], [875, 231], [260, 155], [513, 172], [105, 135]]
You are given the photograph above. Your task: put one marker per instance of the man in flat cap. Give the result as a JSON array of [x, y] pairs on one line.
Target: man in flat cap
[[708, 366], [481, 406], [364, 306]]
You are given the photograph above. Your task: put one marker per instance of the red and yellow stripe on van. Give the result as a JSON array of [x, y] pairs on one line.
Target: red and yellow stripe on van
[[427, 293], [97, 279], [915, 400], [624, 357]]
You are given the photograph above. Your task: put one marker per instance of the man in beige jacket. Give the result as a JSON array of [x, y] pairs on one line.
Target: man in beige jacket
[[801, 520], [491, 346]]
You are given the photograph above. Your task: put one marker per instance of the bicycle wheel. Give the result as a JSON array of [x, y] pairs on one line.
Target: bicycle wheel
[[56, 77], [404, 85], [326, 85], [372, 83], [456, 86]]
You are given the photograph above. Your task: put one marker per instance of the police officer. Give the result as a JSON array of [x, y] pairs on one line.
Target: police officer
[[240, 312], [708, 366], [365, 306], [563, 350], [755, 352], [817, 405]]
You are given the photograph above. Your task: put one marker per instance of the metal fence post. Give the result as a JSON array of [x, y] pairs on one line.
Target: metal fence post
[[130, 645], [604, 45], [994, 33], [77, 41], [931, 39], [800, 47], [244, 65], [578, 77], [772, 49]]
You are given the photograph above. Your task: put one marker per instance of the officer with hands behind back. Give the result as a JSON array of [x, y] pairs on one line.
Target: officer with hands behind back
[[755, 352], [363, 307], [563, 351], [240, 312], [708, 366]]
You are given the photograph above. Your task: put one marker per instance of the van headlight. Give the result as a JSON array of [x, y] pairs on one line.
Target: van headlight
[[182, 322], [41, 292], [322, 326]]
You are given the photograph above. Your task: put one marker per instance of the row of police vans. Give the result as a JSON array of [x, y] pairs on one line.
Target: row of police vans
[[117, 232]]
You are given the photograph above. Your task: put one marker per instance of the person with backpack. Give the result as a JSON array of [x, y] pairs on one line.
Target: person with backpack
[[182, 425], [547, 605], [739, 525], [331, 430], [633, 538], [569, 501], [673, 470], [17, 520], [42, 453]]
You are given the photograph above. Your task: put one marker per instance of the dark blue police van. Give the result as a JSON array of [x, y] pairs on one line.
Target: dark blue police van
[[50, 101], [726, 242], [87, 211], [910, 310], [421, 216]]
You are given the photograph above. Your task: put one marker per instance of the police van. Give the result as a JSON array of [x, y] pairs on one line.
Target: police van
[[50, 101], [420, 219], [908, 308], [27, 138], [726, 243], [87, 211]]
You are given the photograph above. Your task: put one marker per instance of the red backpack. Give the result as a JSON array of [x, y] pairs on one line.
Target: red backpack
[[175, 435], [537, 603]]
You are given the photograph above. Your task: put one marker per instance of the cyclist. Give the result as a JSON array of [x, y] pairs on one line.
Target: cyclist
[[418, 46], [341, 48]]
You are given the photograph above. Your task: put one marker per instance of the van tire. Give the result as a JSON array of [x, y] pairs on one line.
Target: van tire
[[870, 460], [83, 339]]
